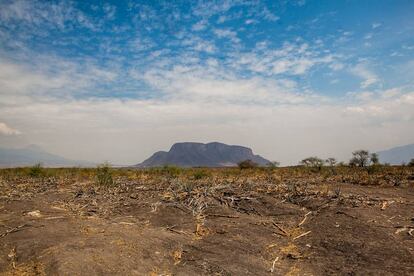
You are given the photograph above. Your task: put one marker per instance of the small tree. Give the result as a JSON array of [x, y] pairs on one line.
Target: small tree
[[331, 161], [360, 158], [104, 175], [374, 159], [312, 162], [247, 164], [411, 163], [273, 164]]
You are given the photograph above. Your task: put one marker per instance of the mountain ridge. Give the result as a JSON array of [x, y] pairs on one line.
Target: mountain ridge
[[32, 154], [397, 155], [194, 154]]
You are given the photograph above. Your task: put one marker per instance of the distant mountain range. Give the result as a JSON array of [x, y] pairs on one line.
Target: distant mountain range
[[202, 155], [30, 155], [397, 155]]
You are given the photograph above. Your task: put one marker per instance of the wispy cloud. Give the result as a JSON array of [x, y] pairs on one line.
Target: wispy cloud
[[369, 78]]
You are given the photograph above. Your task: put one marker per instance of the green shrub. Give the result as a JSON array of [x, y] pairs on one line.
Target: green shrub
[[200, 174], [171, 171], [104, 175], [37, 170]]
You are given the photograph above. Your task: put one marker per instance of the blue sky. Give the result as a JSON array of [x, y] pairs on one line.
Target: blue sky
[[118, 80]]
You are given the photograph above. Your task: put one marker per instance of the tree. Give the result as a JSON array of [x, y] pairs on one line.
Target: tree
[[411, 163], [247, 164], [374, 158], [312, 162], [331, 161], [360, 158], [273, 164]]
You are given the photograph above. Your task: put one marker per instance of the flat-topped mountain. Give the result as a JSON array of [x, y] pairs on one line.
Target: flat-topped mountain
[[203, 155]]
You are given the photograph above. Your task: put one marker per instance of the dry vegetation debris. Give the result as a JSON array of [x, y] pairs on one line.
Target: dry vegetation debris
[[172, 221]]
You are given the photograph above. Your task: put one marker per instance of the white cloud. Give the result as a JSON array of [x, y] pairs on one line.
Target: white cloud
[[226, 33], [293, 59], [376, 25], [200, 25], [39, 13], [369, 78], [6, 130], [109, 11]]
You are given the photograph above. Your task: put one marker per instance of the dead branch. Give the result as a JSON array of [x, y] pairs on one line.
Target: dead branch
[[13, 230], [302, 235], [280, 228], [304, 219], [273, 264], [221, 216]]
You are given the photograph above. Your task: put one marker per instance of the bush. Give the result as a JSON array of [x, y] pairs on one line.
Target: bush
[[171, 171], [199, 174], [247, 164], [37, 170], [273, 164], [411, 163], [331, 161], [104, 175]]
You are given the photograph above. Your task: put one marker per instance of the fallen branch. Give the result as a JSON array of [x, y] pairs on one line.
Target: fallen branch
[[221, 216], [273, 264], [13, 230], [304, 219], [302, 235], [346, 214], [171, 228], [280, 228]]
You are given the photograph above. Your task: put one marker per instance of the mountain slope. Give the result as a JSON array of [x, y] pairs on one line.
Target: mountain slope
[[202, 155], [397, 155], [30, 155]]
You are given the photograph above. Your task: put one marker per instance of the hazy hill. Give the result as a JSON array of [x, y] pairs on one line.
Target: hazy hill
[[397, 155], [30, 155], [202, 155]]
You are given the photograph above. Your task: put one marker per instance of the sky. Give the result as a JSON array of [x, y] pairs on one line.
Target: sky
[[119, 80]]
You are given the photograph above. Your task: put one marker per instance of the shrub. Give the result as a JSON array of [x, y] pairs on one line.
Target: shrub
[[331, 161], [171, 171], [247, 164], [273, 164], [199, 174], [411, 163], [104, 175], [37, 170]]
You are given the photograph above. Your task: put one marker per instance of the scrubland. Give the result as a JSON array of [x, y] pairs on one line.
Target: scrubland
[[336, 220]]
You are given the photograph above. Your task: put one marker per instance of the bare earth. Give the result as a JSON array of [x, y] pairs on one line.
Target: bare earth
[[279, 222]]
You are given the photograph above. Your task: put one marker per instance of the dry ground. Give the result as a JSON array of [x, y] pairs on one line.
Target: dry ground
[[288, 221]]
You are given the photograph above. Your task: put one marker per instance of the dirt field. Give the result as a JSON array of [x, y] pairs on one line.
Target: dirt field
[[288, 221]]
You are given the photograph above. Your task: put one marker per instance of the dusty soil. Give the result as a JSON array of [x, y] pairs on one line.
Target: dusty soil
[[253, 224]]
